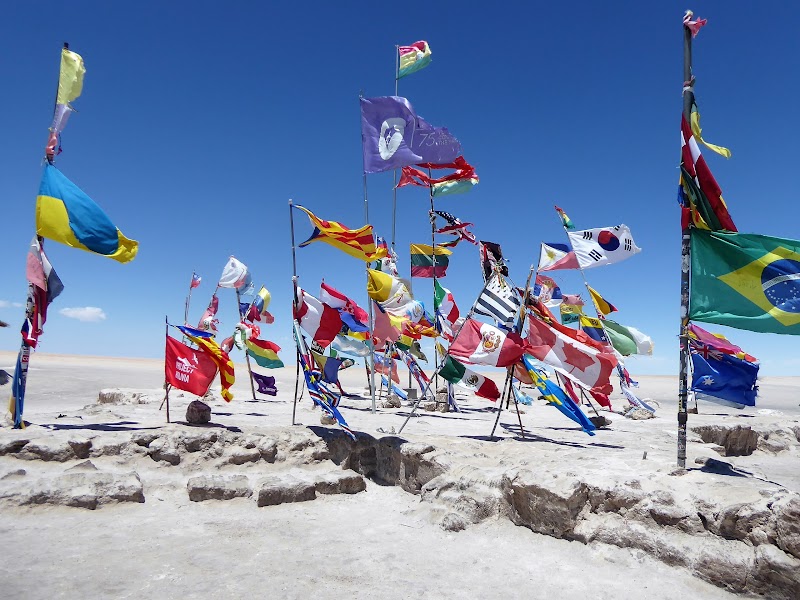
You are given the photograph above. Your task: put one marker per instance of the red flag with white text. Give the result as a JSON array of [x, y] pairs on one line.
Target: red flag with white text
[[188, 369]]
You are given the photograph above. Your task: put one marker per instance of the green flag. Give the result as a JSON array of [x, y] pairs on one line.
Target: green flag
[[747, 281]]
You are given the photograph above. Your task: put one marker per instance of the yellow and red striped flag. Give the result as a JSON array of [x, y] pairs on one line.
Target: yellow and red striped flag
[[358, 243]]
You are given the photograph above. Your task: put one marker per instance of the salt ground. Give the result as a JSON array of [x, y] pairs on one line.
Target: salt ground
[[383, 542]]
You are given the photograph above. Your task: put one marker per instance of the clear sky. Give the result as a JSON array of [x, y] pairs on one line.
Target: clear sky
[[199, 120]]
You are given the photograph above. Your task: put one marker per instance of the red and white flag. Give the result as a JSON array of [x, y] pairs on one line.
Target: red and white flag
[[567, 355], [320, 321], [187, 369], [482, 344], [352, 314]]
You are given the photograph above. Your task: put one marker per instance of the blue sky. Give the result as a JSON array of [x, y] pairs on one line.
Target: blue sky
[[198, 122]]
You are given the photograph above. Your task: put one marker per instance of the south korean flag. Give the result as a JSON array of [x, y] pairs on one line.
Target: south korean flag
[[602, 246]]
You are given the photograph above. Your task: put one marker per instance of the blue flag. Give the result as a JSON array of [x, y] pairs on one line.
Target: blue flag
[[723, 376]]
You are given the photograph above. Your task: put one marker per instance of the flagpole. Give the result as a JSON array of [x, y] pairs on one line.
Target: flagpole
[[366, 271], [294, 311], [432, 218], [683, 375], [166, 385], [246, 355], [188, 300], [444, 361]]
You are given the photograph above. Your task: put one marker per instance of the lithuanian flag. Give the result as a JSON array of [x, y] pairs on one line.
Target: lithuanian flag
[[429, 262]]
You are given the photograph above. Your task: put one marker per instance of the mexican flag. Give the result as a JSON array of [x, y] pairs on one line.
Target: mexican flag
[[444, 303], [456, 373]]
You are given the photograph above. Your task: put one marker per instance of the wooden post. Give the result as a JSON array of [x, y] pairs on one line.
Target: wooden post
[[683, 375]]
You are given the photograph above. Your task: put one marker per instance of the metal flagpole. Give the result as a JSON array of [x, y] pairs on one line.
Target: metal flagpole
[[188, 300], [432, 218], [294, 311], [166, 385], [683, 376], [366, 268], [246, 355]]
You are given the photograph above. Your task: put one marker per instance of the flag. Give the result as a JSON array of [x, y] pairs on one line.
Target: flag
[[723, 376], [208, 322], [747, 281], [570, 313], [196, 279], [718, 342], [444, 304], [462, 179], [594, 329], [698, 134], [188, 369], [265, 384], [264, 353], [693, 26], [394, 298], [234, 275], [65, 213], [706, 205], [358, 243], [498, 301], [328, 366], [383, 329], [387, 264], [555, 396], [352, 314], [623, 334], [456, 226], [387, 131], [16, 403], [436, 146], [319, 320], [492, 260], [227, 375], [581, 361], [382, 366], [603, 306], [546, 291], [602, 246], [258, 307], [565, 220], [45, 287], [554, 257], [429, 262], [344, 345], [416, 351], [413, 58], [482, 344], [456, 373], [70, 85], [187, 331]]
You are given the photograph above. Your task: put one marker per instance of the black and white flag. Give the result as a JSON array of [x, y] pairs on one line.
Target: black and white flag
[[498, 301]]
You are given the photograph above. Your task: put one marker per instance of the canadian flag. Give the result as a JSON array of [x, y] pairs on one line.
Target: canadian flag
[[588, 365]]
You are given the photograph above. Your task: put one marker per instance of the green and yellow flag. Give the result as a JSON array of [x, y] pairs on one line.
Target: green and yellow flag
[[746, 281]]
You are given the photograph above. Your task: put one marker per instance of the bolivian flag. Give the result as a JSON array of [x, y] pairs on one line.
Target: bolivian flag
[[264, 353], [65, 213]]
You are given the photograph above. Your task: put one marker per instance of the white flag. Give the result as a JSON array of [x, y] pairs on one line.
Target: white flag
[[234, 275], [602, 246]]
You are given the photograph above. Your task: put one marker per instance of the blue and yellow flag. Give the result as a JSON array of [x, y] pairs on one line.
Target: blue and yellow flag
[[66, 214]]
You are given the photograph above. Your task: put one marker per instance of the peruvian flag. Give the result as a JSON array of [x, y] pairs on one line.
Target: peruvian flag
[[188, 369], [482, 344], [319, 320], [567, 355]]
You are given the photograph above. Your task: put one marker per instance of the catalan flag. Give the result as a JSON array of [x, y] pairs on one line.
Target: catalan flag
[[413, 58], [264, 353], [66, 214], [224, 363], [358, 243], [603, 306]]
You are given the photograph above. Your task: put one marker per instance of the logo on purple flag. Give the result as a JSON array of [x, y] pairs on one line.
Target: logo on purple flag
[[393, 136], [266, 384]]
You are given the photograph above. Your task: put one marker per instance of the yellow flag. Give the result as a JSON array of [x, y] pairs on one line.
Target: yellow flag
[[696, 131], [70, 80]]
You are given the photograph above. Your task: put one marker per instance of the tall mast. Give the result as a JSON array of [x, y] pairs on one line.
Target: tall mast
[[683, 375]]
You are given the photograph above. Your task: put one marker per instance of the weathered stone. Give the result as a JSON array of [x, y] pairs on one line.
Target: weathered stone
[[88, 489], [197, 440], [549, 506], [429, 406], [453, 522], [280, 489], [340, 482], [124, 396], [85, 465], [240, 456], [218, 487], [639, 414], [392, 401], [15, 474], [326, 419], [776, 574], [12, 446], [787, 512], [161, 450], [268, 448], [738, 440], [198, 413], [55, 450]]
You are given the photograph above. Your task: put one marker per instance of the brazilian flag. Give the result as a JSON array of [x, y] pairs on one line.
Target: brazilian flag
[[746, 281]]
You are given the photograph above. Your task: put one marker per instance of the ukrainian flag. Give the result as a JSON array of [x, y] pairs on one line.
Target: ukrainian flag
[[65, 213]]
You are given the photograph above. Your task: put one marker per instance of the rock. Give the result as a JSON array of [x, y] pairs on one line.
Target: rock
[[453, 522], [16, 474], [198, 413], [161, 450], [81, 490], [549, 506], [599, 421], [777, 575], [738, 440], [239, 456], [55, 450], [12, 446], [326, 419], [268, 448], [279, 489], [124, 396], [443, 407], [86, 465], [393, 401], [218, 487], [340, 482], [429, 406], [787, 513], [639, 414]]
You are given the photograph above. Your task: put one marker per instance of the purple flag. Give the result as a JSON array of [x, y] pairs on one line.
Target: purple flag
[[387, 131], [436, 145], [266, 384]]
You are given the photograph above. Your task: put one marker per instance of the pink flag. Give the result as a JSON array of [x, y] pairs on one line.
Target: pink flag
[[693, 26], [588, 365]]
